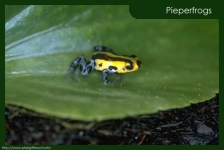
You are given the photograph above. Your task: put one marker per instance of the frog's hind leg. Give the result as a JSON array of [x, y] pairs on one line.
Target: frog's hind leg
[[102, 49], [81, 62]]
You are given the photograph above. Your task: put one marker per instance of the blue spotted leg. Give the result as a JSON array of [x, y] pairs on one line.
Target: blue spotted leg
[[85, 67]]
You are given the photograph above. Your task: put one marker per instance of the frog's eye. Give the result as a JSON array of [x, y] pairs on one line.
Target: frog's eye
[[139, 63], [129, 66]]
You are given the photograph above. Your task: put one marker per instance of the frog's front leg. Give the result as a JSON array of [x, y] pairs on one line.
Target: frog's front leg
[[105, 74]]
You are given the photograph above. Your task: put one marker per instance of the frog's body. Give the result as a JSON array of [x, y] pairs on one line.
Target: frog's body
[[103, 59]]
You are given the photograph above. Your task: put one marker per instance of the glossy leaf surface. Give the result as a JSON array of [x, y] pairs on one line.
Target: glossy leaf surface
[[180, 61]]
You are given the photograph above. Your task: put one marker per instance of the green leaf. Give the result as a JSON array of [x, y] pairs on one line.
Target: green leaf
[[180, 61]]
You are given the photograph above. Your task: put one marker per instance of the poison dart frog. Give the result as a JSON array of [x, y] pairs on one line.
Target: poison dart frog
[[104, 60]]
